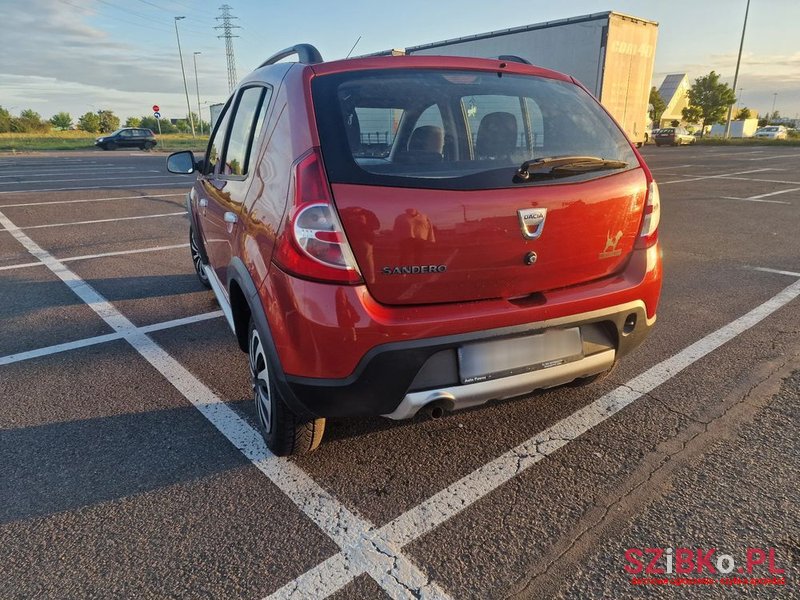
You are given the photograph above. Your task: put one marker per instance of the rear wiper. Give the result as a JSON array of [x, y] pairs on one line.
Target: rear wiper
[[565, 165]]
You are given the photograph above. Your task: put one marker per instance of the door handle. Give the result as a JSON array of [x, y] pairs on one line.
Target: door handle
[[230, 217], [203, 202]]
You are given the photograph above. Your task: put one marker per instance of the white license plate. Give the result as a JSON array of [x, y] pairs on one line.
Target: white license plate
[[501, 358]]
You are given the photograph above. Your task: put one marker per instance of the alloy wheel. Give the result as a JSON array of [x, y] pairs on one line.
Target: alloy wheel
[[259, 373], [197, 259]]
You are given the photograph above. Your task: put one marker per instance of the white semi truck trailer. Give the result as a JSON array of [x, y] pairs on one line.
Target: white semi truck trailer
[[610, 53]]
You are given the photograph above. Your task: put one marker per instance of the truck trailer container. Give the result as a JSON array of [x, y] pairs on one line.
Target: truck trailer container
[[610, 53]]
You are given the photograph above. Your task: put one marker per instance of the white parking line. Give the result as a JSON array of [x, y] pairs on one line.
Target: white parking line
[[394, 572], [108, 337], [77, 171], [101, 187], [449, 502], [81, 200], [761, 197], [100, 255], [776, 271], [687, 179], [795, 155], [172, 214], [121, 175], [762, 180]]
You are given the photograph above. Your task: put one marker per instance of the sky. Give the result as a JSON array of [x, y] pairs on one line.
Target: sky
[[86, 55]]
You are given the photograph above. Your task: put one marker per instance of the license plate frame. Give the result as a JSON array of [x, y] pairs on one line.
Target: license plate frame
[[483, 361]]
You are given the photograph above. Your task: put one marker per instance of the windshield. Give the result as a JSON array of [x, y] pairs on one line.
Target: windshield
[[456, 129]]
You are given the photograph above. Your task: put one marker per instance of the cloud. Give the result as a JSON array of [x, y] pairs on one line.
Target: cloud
[[53, 56]]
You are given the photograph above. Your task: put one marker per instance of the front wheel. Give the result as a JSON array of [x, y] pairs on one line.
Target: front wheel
[[110, 146], [284, 432]]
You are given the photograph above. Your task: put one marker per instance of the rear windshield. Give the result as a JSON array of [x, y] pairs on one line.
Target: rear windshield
[[457, 129]]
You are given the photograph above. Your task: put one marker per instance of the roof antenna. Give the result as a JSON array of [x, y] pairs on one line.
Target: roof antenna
[[353, 48]]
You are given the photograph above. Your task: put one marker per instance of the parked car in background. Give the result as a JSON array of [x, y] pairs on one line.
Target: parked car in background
[[673, 136], [772, 132], [391, 234], [128, 137]]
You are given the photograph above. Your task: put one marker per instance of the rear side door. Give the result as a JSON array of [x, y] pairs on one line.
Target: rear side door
[[223, 187]]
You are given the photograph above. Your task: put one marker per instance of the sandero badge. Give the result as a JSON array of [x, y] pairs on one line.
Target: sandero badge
[[531, 220], [414, 269]]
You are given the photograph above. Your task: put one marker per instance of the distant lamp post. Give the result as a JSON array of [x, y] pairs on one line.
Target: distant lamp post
[[736, 74], [183, 71], [774, 98], [197, 87]]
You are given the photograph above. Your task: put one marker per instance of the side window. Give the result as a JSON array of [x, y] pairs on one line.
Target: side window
[[240, 137], [376, 129], [217, 142], [497, 126]]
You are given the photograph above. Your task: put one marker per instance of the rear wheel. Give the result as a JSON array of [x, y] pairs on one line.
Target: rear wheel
[[284, 432], [197, 258], [148, 145]]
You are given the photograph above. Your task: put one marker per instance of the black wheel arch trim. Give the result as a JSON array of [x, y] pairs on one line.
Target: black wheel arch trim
[[238, 273]]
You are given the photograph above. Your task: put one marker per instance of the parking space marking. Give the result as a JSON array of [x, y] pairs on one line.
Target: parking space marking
[[687, 179], [761, 197], [393, 571], [761, 180], [99, 255], [795, 155], [673, 167], [449, 502], [101, 187], [108, 337], [89, 200], [172, 214], [776, 271], [164, 176], [76, 171]]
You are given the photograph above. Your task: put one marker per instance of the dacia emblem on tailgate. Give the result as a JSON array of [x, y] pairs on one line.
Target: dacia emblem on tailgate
[[531, 220]]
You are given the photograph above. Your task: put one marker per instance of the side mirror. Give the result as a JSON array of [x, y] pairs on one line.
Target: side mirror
[[181, 162]]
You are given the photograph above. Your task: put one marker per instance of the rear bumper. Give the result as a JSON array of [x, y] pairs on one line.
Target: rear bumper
[[338, 353], [397, 379]]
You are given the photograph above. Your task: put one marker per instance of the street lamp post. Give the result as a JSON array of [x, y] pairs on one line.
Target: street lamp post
[[736, 74], [774, 98], [183, 71], [197, 88]]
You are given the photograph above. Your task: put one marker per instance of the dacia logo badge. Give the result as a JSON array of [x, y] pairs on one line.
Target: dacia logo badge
[[531, 221]]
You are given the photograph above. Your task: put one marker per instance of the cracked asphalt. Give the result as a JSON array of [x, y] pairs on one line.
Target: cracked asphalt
[[112, 485]]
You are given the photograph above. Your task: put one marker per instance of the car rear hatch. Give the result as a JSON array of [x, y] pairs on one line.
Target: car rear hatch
[[425, 172]]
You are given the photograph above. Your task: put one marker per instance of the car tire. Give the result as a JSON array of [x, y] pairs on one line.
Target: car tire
[[148, 146], [110, 146], [198, 258], [284, 432]]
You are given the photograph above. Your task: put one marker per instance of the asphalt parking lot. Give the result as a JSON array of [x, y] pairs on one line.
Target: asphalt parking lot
[[130, 465]]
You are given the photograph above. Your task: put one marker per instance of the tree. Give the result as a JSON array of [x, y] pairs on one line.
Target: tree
[[674, 123], [744, 113], [90, 122], [691, 114], [776, 115], [710, 98], [29, 120], [152, 124], [133, 122], [61, 121], [108, 121], [658, 104], [5, 120]]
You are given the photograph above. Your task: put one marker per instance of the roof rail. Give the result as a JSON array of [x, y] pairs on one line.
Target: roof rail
[[513, 58], [306, 53]]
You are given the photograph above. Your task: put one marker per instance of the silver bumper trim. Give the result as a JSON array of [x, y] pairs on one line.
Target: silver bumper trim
[[473, 394]]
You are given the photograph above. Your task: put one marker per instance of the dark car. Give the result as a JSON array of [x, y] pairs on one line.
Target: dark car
[[129, 137], [387, 234], [673, 136]]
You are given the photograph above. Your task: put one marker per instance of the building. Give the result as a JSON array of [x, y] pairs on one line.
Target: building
[[674, 91]]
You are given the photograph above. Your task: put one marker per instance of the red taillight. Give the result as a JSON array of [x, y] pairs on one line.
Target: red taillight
[[652, 215], [312, 244]]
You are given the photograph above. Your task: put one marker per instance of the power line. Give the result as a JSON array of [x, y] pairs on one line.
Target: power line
[[227, 27]]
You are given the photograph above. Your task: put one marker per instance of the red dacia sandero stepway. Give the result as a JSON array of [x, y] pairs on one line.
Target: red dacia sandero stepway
[[387, 234]]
